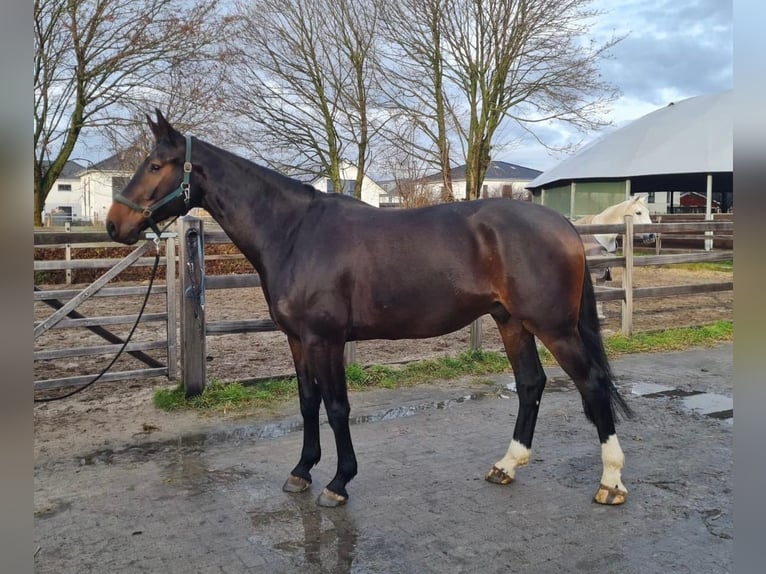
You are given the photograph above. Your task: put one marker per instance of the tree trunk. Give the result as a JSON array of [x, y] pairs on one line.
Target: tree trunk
[[39, 205]]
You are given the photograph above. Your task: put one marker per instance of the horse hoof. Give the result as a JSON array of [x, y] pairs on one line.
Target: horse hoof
[[610, 496], [329, 499], [296, 484], [497, 476]]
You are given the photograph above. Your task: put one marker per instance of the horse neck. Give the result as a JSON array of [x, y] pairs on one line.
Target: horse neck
[[255, 206], [612, 214]]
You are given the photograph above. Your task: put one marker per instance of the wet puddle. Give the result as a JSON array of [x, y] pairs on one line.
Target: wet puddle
[[698, 402]]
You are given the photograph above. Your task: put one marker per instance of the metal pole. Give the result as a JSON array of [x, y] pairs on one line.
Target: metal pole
[[709, 211], [627, 277], [68, 253], [171, 304]]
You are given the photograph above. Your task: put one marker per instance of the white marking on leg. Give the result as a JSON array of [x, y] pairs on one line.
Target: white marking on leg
[[613, 460], [517, 455]]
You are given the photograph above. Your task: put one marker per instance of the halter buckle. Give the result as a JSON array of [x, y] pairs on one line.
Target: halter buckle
[[147, 213], [187, 167]]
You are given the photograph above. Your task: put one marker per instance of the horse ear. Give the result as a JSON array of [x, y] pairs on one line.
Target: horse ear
[[154, 127], [164, 127]]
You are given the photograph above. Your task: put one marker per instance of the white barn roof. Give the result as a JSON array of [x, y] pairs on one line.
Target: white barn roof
[[690, 136]]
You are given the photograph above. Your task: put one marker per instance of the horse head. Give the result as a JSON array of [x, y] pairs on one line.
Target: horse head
[[158, 190], [639, 209]]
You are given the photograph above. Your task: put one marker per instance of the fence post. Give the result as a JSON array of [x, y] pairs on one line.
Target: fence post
[[476, 335], [171, 303], [192, 274], [627, 277], [349, 353]]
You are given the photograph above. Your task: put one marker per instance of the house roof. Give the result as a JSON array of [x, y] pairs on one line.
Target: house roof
[[693, 136], [72, 169], [497, 171], [124, 160]]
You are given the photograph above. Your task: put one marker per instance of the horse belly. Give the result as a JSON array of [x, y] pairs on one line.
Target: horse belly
[[418, 311]]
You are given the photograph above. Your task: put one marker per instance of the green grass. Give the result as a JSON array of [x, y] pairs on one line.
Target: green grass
[[704, 266], [222, 397], [670, 339]]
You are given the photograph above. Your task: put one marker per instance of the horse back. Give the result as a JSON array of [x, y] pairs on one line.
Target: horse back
[[373, 270]]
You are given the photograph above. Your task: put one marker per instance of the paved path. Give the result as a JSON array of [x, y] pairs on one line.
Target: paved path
[[214, 503]]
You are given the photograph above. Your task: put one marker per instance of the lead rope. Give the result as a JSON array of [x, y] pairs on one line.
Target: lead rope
[[132, 330]]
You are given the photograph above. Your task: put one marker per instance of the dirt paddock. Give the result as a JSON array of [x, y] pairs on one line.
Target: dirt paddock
[[116, 409]]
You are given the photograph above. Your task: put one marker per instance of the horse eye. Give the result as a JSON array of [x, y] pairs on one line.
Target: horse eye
[[154, 167]]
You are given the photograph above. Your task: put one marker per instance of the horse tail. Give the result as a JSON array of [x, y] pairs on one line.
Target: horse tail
[[590, 333]]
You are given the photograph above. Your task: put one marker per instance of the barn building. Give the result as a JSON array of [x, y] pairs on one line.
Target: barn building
[[684, 147]]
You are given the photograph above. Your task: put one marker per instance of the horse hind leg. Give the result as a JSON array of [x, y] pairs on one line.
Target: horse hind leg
[[530, 381], [597, 391]]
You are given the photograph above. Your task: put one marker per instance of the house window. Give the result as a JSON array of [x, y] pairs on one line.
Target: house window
[[65, 187], [650, 197], [348, 186], [118, 184]]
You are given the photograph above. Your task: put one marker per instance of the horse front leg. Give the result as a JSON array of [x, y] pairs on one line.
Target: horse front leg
[[326, 360], [300, 478]]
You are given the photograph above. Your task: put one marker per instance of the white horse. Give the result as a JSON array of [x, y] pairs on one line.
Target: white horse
[[606, 243]]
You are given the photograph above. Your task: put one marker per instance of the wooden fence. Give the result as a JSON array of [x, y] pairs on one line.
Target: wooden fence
[[66, 301], [194, 282], [195, 331]]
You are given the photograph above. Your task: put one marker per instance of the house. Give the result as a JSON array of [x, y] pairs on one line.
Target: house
[[372, 193], [64, 201], [694, 202], [102, 180], [85, 193], [502, 179]]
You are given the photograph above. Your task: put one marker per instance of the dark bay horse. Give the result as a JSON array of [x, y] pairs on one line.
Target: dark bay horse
[[334, 269]]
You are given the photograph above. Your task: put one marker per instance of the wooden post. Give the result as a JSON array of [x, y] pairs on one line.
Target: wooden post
[[627, 277], [349, 352], [192, 274], [170, 304], [476, 336], [68, 253]]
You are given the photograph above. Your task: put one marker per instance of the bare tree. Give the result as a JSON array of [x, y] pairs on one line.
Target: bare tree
[[466, 68], [191, 97], [525, 60], [401, 158], [415, 84], [303, 83], [95, 60]]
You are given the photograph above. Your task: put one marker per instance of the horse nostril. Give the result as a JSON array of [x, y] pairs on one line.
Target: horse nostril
[[110, 229]]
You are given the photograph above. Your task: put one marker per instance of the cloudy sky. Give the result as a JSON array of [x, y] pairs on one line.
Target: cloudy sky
[[674, 49]]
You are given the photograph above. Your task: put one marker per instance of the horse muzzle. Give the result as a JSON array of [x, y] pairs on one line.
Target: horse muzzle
[[648, 237], [122, 225]]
